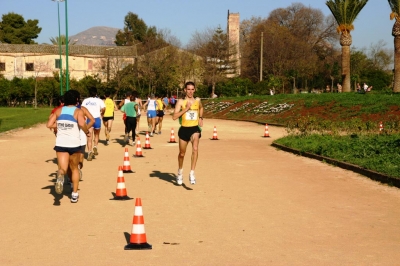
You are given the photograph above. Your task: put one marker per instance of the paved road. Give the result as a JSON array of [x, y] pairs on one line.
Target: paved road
[[252, 205]]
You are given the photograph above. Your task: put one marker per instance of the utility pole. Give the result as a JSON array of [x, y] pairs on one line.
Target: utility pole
[[261, 56]]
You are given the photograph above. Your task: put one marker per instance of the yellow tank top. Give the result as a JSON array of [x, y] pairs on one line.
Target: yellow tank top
[[159, 105], [191, 117], [109, 107]]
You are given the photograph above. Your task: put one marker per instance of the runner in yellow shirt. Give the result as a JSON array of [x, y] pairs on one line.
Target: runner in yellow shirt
[[108, 116], [190, 113]]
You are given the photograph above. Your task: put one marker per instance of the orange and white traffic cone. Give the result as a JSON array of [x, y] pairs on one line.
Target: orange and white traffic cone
[[147, 142], [138, 236], [120, 193], [380, 127], [172, 137], [138, 149], [215, 135], [266, 133], [127, 165]]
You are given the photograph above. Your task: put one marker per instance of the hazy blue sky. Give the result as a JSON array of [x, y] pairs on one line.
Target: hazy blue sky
[[184, 17]]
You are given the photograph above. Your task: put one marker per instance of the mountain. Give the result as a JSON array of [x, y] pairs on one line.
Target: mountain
[[96, 36]]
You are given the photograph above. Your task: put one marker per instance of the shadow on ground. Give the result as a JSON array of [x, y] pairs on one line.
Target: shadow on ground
[[171, 178]]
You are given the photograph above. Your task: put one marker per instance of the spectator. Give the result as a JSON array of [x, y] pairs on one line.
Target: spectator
[[339, 88], [365, 87]]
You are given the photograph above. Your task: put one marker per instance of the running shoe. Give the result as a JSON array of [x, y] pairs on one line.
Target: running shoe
[[192, 178], [95, 150], [159, 132], [107, 142], [179, 177], [74, 197], [59, 183], [90, 156], [151, 134]]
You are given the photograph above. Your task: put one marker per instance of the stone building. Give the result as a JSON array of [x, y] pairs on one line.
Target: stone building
[[233, 36], [32, 60]]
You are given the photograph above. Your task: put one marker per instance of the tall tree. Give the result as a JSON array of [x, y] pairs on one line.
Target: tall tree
[[395, 7], [15, 30], [217, 53], [135, 30], [345, 12]]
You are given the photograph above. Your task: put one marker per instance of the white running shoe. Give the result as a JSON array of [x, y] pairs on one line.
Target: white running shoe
[[179, 178], [74, 197], [59, 183], [192, 178]]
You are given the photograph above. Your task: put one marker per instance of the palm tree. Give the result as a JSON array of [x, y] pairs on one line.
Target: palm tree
[[395, 7], [63, 39], [345, 13]]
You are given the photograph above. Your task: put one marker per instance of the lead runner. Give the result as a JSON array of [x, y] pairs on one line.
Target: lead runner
[[190, 114]]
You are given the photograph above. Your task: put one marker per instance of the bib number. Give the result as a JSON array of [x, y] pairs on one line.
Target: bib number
[[191, 115]]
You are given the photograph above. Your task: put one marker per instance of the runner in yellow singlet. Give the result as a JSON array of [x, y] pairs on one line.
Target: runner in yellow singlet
[[190, 113], [108, 116]]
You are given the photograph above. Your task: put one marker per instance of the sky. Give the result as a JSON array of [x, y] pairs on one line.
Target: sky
[[184, 17]]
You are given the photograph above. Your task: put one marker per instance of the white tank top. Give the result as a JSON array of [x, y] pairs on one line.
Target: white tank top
[[152, 105], [67, 129]]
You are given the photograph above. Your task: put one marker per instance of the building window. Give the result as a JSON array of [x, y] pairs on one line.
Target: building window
[[2, 66], [29, 67], [58, 63], [90, 64]]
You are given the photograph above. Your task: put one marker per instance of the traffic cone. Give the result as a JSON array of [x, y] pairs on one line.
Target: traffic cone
[[120, 193], [172, 137], [138, 149], [266, 133], [380, 127], [215, 136], [126, 168], [147, 142], [138, 235]]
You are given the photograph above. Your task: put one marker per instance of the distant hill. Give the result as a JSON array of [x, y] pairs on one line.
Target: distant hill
[[96, 36]]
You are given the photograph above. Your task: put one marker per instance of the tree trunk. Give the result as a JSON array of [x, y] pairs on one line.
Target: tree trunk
[[396, 85], [346, 68], [345, 42]]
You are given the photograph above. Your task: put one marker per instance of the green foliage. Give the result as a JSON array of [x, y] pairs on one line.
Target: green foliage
[[380, 153], [11, 118], [134, 31], [345, 12], [15, 30], [234, 87]]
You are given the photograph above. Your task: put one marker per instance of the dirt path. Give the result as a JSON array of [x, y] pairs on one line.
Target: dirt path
[[252, 205]]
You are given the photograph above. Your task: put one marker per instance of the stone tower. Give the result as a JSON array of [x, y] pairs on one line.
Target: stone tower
[[233, 36]]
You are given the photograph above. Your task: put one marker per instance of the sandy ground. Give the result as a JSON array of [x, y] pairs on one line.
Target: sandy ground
[[252, 205]]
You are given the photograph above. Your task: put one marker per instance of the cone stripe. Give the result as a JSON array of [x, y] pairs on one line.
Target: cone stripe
[[138, 229], [121, 185], [138, 238], [138, 211]]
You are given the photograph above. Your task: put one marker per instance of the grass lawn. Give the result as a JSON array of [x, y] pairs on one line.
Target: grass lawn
[[11, 118]]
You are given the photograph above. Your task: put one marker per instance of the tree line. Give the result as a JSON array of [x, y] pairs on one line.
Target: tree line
[[299, 47]]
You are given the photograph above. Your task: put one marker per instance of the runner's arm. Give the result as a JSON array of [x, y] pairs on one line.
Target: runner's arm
[[88, 116], [178, 112]]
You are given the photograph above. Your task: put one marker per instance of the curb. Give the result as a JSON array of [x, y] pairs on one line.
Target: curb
[[391, 181]]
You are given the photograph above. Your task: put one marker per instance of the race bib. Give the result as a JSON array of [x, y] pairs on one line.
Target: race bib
[[191, 115]]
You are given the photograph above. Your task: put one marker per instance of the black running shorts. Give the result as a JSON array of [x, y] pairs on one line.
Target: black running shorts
[[185, 133]]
